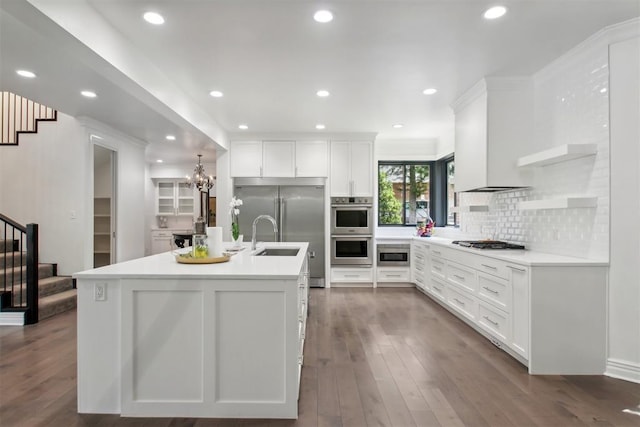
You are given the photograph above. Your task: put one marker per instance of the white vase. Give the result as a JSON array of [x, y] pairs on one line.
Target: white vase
[[237, 243]]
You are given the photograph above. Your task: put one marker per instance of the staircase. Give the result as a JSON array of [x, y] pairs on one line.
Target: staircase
[[56, 294], [19, 115]]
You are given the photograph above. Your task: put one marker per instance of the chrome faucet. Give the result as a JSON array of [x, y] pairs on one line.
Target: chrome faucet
[[255, 221]]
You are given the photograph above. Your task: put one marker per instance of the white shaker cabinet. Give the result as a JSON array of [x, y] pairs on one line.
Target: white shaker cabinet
[[312, 159], [351, 169], [278, 159], [246, 159], [493, 129], [520, 310]]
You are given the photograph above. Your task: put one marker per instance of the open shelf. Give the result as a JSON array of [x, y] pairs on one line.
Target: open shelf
[[558, 154], [560, 203], [471, 208]]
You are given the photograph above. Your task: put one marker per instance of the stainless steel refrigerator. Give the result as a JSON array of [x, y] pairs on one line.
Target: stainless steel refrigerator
[[298, 208]]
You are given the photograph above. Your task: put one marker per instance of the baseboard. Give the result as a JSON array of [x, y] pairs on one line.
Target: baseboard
[[623, 370], [12, 318], [351, 285]]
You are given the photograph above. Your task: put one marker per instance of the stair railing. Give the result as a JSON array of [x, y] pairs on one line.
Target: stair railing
[[19, 291], [19, 115]]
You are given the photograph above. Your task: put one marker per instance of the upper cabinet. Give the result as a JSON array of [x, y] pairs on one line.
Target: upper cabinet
[[351, 169], [279, 159], [174, 197], [493, 127]]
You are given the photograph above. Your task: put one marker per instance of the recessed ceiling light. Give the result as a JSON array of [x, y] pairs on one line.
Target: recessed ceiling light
[[159, 161], [603, 90], [320, 126], [26, 73], [322, 93], [88, 94], [397, 126], [495, 12], [170, 138], [429, 91], [323, 16], [216, 94], [243, 127], [153, 18]]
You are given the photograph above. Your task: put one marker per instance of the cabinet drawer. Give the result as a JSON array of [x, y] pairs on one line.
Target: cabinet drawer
[[438, 289], [394, 275], [420, 281], [462, 276], [492, 266], [352, 275], [438, 251], [438, 267], [494, 290], [462, 302], [494, 321]]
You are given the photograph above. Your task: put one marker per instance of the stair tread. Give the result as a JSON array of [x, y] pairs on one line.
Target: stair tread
[[53, 279], [51, 299]]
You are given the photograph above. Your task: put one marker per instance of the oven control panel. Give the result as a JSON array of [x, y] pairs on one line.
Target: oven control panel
[[351, 201]]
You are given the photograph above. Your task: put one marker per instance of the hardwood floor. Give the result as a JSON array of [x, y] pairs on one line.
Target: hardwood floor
[[373, 357]]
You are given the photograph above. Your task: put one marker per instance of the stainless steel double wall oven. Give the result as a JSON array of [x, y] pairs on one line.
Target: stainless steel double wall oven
[[352, 231]]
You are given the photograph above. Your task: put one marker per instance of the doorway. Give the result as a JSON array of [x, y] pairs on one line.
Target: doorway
[[104, 235]]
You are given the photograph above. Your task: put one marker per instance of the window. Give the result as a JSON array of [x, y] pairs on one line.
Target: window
[[404, 192], [410, 192]]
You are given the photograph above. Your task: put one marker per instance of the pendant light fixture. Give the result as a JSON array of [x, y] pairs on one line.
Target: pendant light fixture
[[199, 179]]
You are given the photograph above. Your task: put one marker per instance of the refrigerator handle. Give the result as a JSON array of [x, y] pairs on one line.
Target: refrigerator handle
[[281, 219]]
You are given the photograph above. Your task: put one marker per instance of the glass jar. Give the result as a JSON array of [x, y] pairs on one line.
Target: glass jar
[[200, 249]]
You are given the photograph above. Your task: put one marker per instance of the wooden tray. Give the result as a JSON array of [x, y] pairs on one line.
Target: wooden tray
[[185, 260]]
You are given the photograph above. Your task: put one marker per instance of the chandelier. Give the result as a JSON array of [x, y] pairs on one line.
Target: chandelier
[[199, 179]]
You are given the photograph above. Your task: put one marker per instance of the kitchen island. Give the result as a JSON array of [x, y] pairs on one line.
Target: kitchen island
[[158, 338]]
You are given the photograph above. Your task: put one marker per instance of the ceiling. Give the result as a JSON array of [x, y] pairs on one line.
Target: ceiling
[[269, 57]]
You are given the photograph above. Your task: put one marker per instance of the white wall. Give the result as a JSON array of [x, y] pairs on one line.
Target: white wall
[[624, 273], [55, 190], [406, 149]]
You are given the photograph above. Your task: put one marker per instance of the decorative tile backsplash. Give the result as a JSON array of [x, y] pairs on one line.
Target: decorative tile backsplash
[[571, 106]]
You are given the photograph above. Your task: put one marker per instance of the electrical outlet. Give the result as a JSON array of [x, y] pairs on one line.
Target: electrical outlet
[[100, 292]]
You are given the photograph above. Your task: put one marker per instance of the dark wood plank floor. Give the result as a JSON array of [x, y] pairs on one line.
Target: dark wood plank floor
[[373, 357]]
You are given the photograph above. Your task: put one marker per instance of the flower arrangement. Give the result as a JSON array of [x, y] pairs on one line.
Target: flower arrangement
[[234, 211]]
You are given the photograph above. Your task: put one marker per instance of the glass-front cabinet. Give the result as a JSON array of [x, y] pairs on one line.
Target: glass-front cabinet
[[174, 198]]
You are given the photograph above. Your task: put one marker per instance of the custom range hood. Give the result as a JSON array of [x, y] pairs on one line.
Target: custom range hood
[[493, 128]]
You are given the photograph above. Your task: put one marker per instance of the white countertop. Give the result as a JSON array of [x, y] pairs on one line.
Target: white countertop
[[242, 265], [521, 257]]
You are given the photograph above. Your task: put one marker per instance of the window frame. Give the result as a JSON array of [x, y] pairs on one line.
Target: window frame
[[429, 163], [437, 191]]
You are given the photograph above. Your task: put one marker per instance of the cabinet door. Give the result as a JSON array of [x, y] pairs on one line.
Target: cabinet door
[[246, 159], [165, 201], [520, 310], [361, 172], [160, 242], [278, 159], [340, 169], [184, 200], [311, 158]]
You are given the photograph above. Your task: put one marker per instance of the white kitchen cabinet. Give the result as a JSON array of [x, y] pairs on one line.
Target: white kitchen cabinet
[[398, 275], [493, 129], [160, 241], [174, 197], [551, 317], [312, 159], [351, 276], [520, 310], [278, 159], [351, 169]]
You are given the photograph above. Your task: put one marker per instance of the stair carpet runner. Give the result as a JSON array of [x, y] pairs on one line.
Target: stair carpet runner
[[55, 293]]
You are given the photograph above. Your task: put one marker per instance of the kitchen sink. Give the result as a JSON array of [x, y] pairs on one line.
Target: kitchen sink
[[277, 252]]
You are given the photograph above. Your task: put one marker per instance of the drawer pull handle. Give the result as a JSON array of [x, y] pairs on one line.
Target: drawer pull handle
[[351, 275], [490, 321], [490, 290], [419, 256], [458, 301], [489, 266], [436, 288], [435, 267], [393, 275], [437, 252], [419, 268], [459, 277], [516, 268]]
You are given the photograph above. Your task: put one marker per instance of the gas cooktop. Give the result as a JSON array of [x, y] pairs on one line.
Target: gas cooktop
[[486, 244]]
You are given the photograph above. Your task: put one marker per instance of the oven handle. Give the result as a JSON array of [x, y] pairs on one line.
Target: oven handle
[[352, 206]]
